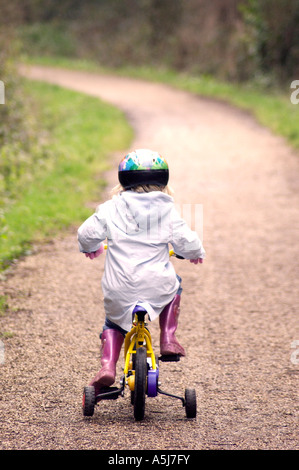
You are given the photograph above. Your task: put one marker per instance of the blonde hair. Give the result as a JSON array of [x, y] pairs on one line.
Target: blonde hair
[[143, 188]]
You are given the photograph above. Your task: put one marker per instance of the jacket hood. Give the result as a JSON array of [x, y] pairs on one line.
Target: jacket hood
[[136, 213]]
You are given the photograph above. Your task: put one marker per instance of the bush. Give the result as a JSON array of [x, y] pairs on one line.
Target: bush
[[272, 30], [20, 142]]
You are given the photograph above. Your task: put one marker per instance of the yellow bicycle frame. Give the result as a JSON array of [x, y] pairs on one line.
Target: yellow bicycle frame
[[137, 337]]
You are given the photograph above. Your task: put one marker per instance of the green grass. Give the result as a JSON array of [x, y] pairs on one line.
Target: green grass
[[271, 107], [81, 133], [3, 305]]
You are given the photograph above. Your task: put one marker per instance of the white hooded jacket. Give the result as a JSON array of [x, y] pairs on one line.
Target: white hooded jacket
[[139, 228]]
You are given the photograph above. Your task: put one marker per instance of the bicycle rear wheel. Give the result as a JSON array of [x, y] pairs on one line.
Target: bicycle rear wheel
[[140, 383]]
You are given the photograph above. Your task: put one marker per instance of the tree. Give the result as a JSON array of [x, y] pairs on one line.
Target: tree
[[273, 31]]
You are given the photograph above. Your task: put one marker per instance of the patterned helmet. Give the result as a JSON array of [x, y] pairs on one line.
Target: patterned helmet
[[143, 166]]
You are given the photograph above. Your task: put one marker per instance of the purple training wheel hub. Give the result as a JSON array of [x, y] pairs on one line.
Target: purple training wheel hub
[[152, 382]]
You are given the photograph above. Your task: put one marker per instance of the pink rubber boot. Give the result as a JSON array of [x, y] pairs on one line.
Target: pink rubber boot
[[168, 319], [112, 341]]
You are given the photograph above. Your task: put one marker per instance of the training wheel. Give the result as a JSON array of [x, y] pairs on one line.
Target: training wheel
[[190, 402], [89, 400]]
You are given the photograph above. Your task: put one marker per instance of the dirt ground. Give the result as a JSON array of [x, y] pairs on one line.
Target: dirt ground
[[239, 315]]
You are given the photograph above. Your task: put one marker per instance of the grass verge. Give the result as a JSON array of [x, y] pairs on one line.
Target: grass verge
[[81, 132]]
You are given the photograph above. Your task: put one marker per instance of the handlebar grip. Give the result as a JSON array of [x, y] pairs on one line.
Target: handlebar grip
[[172, 253]]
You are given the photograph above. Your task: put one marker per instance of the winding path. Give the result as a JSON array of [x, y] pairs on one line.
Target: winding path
[[239, 315]]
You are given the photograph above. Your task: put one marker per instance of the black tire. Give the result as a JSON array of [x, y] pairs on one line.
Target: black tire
[[89, 400], [190, 402], [140, 383], [133, 368]]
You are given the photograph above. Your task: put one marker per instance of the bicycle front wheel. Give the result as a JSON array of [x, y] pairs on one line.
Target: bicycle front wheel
[[140, 383]]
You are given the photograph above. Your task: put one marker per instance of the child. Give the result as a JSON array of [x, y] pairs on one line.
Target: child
[[138, 223]]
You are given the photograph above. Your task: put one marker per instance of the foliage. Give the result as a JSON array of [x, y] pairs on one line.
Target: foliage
[[273, 32], [20, 147], [233, 40], [48, 39]]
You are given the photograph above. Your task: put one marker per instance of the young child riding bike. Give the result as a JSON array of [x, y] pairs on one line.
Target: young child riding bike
[[139, 223]]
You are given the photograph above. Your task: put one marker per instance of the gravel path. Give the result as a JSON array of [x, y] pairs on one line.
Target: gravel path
[[239, 315]]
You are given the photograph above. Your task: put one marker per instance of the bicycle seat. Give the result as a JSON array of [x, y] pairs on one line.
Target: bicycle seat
[[140, 312], [138, 308]]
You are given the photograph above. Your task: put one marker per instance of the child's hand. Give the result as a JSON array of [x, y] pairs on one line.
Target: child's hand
[[95, 254], [196, 261]]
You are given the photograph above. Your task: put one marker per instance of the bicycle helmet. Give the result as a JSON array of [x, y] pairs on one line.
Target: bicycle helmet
[[143, 166]]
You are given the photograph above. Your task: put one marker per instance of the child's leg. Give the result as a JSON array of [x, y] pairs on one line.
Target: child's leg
[[168, 320], [112, 340]]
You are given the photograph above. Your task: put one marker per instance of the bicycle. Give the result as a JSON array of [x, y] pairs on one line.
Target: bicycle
[[141, 372]]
